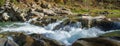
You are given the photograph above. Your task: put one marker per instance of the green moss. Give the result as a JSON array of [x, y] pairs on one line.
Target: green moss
[[114, 14], [2, 2], [93, 12], [80, 10]]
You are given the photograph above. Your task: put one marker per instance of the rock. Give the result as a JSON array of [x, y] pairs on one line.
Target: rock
[[23, 15], [47, 41], [7, 42], [5, 16], [21, 39], [2, 41], [115, 38], [43, 22], [37, 14], [111, 34], [49, 12], [95, 42], [36, 0], [107, 25], [63, 11], [66, 24], [11, 43]]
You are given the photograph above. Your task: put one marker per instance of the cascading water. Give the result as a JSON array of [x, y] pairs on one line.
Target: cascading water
[[51, 26], [66, 37]]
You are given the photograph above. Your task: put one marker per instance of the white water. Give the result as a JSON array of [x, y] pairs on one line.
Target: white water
[[61, 35], [52, 26]]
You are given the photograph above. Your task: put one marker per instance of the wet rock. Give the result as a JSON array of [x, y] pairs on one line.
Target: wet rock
[[111, 34], [10, 43], [2, 9], [47, 41], [30, 40], [20, 39], [44, 21], [2, 41], [12, 15], [23, 15], [95, 42], [115, 38], [37, 14], [36, 0], [107, 25], [66, 24], [7, 42]]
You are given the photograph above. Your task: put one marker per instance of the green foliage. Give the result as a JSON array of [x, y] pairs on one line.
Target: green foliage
[[2, 2], [82, 11], [114, 14]]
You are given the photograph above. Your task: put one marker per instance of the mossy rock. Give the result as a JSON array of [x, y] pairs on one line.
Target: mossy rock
[[112, 34]]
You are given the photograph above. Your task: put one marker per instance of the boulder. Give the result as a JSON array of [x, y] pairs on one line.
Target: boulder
[[107, 25], [63, 11], [5, 16], [47, 41], [7, 42], [99, 41], [43, 22], [2, 41], [49, 12], [21, 39]]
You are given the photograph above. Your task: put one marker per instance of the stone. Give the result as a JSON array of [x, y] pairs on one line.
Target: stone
[[2, 41], [23, 16], [99, 41], [11, 43], [21, 39], [107, 25], [7, 42], [47, 41], [5, 16], [49, 12]]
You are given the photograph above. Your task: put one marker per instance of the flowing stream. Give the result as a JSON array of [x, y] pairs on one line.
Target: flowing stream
[[66, 37]]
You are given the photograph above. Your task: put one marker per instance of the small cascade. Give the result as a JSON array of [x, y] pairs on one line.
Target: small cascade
[[53, 25], [67, 37]]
